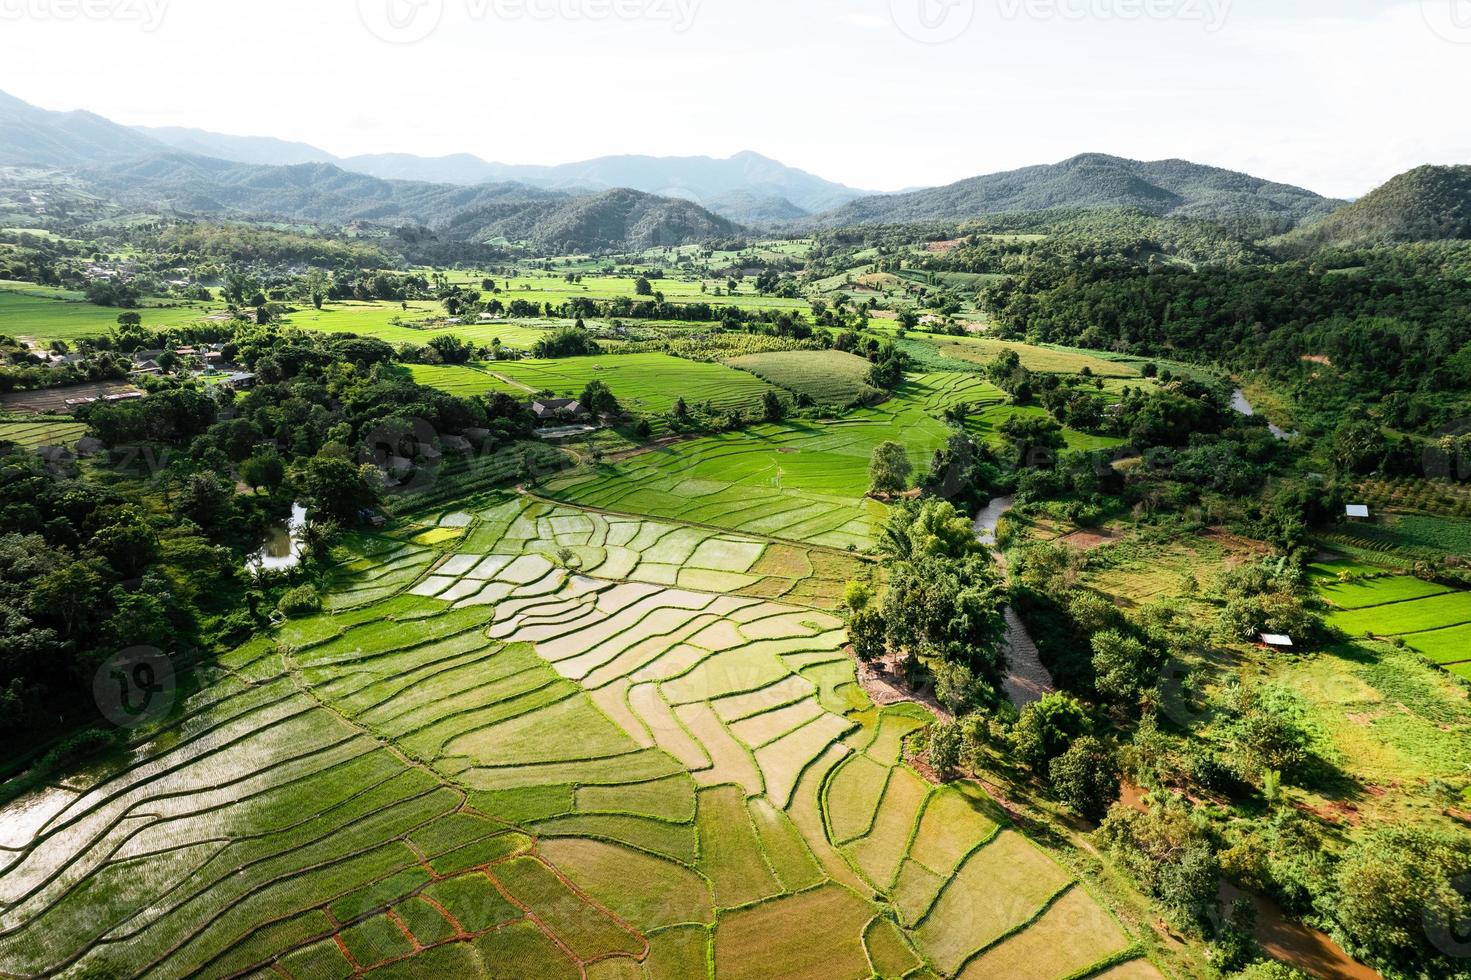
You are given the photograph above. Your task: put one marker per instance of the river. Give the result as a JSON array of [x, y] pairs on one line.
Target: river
[[1027, 678]]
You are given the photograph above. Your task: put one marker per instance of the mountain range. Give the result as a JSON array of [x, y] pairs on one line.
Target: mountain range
[[635, 202], [747, 187]]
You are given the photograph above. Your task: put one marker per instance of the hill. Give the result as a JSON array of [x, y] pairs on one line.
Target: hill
[[617, 220], [1173, 188], [1426, 204]]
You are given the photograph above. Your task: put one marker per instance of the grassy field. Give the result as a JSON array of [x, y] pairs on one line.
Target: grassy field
[[1431, 619], [45, 314], [829, 377], [486, 761]]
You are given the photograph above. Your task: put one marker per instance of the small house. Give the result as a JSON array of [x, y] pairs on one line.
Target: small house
[[1278, 642], [557, 409], [1358, 512]]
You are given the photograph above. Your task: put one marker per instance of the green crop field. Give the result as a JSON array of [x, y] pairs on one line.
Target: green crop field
[[33, 434], [802, 481], [643, 383], [44, 314], [1402, 618], [829, 377], [494, 760]]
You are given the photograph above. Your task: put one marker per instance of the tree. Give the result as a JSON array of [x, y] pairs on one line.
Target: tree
[[265, 470], [1086, 778], [868, 632], [1168, 851], [949, 609], [336, 489], [773, 409], [642, 287], [1048, 728], [204, 498], [957, 688], [451, 349], [889, 469], [1123, 667], [1394, 886], [1358, 447], [599, 400], [945, 744]]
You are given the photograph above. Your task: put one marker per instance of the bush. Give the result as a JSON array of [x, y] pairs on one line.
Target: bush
[[300, 601]]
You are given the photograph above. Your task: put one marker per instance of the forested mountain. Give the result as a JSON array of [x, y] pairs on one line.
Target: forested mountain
[[613, 220], [1425, 205], [32, 137], [1248, 205], [727, 186]]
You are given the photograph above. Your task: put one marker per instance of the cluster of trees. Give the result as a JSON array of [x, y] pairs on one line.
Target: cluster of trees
[[1391, 330], [942, 610]]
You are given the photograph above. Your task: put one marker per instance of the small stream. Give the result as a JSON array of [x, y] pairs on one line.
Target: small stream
[[1241, 405], [1027, 678], [282, 549]]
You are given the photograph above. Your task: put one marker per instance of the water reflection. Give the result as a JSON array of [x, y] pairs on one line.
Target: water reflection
[[282, 549]]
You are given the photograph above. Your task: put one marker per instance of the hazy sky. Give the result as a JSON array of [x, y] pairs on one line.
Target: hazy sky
[[1335, 95]]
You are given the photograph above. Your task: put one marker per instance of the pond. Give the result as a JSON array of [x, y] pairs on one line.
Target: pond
[[282, 549], [1244, 407]]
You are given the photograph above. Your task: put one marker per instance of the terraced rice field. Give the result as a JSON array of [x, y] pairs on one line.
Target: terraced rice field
[[829, 377], [801, 481], [1431, 619], [484, 763], [41, 432]]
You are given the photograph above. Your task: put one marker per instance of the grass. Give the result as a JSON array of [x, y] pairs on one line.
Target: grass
[[1447, 646], [1365, 593], [828, 377]]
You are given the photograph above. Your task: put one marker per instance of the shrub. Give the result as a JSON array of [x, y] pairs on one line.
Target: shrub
[[300, 601]]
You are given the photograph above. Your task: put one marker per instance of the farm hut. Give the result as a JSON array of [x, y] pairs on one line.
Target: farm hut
[[555, 409], [1358, 512], [1278, 642]]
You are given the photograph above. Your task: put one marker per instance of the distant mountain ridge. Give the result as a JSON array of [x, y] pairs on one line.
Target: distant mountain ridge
[[742, 178], [1425, 204], [1167, 188], [135, 170]]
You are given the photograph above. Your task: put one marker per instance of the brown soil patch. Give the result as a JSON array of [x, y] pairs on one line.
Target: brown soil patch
[[1293, 943], [1088, 540], [947, 246], [1322, 359]]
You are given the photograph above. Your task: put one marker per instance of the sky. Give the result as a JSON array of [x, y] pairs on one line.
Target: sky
[[1333, 95]]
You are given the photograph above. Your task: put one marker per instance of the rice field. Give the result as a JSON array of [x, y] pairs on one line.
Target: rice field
[[801, 481], [647, 384], [828, 377], [34, 434], [1431, 619], [538, 747], [45, 314]]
